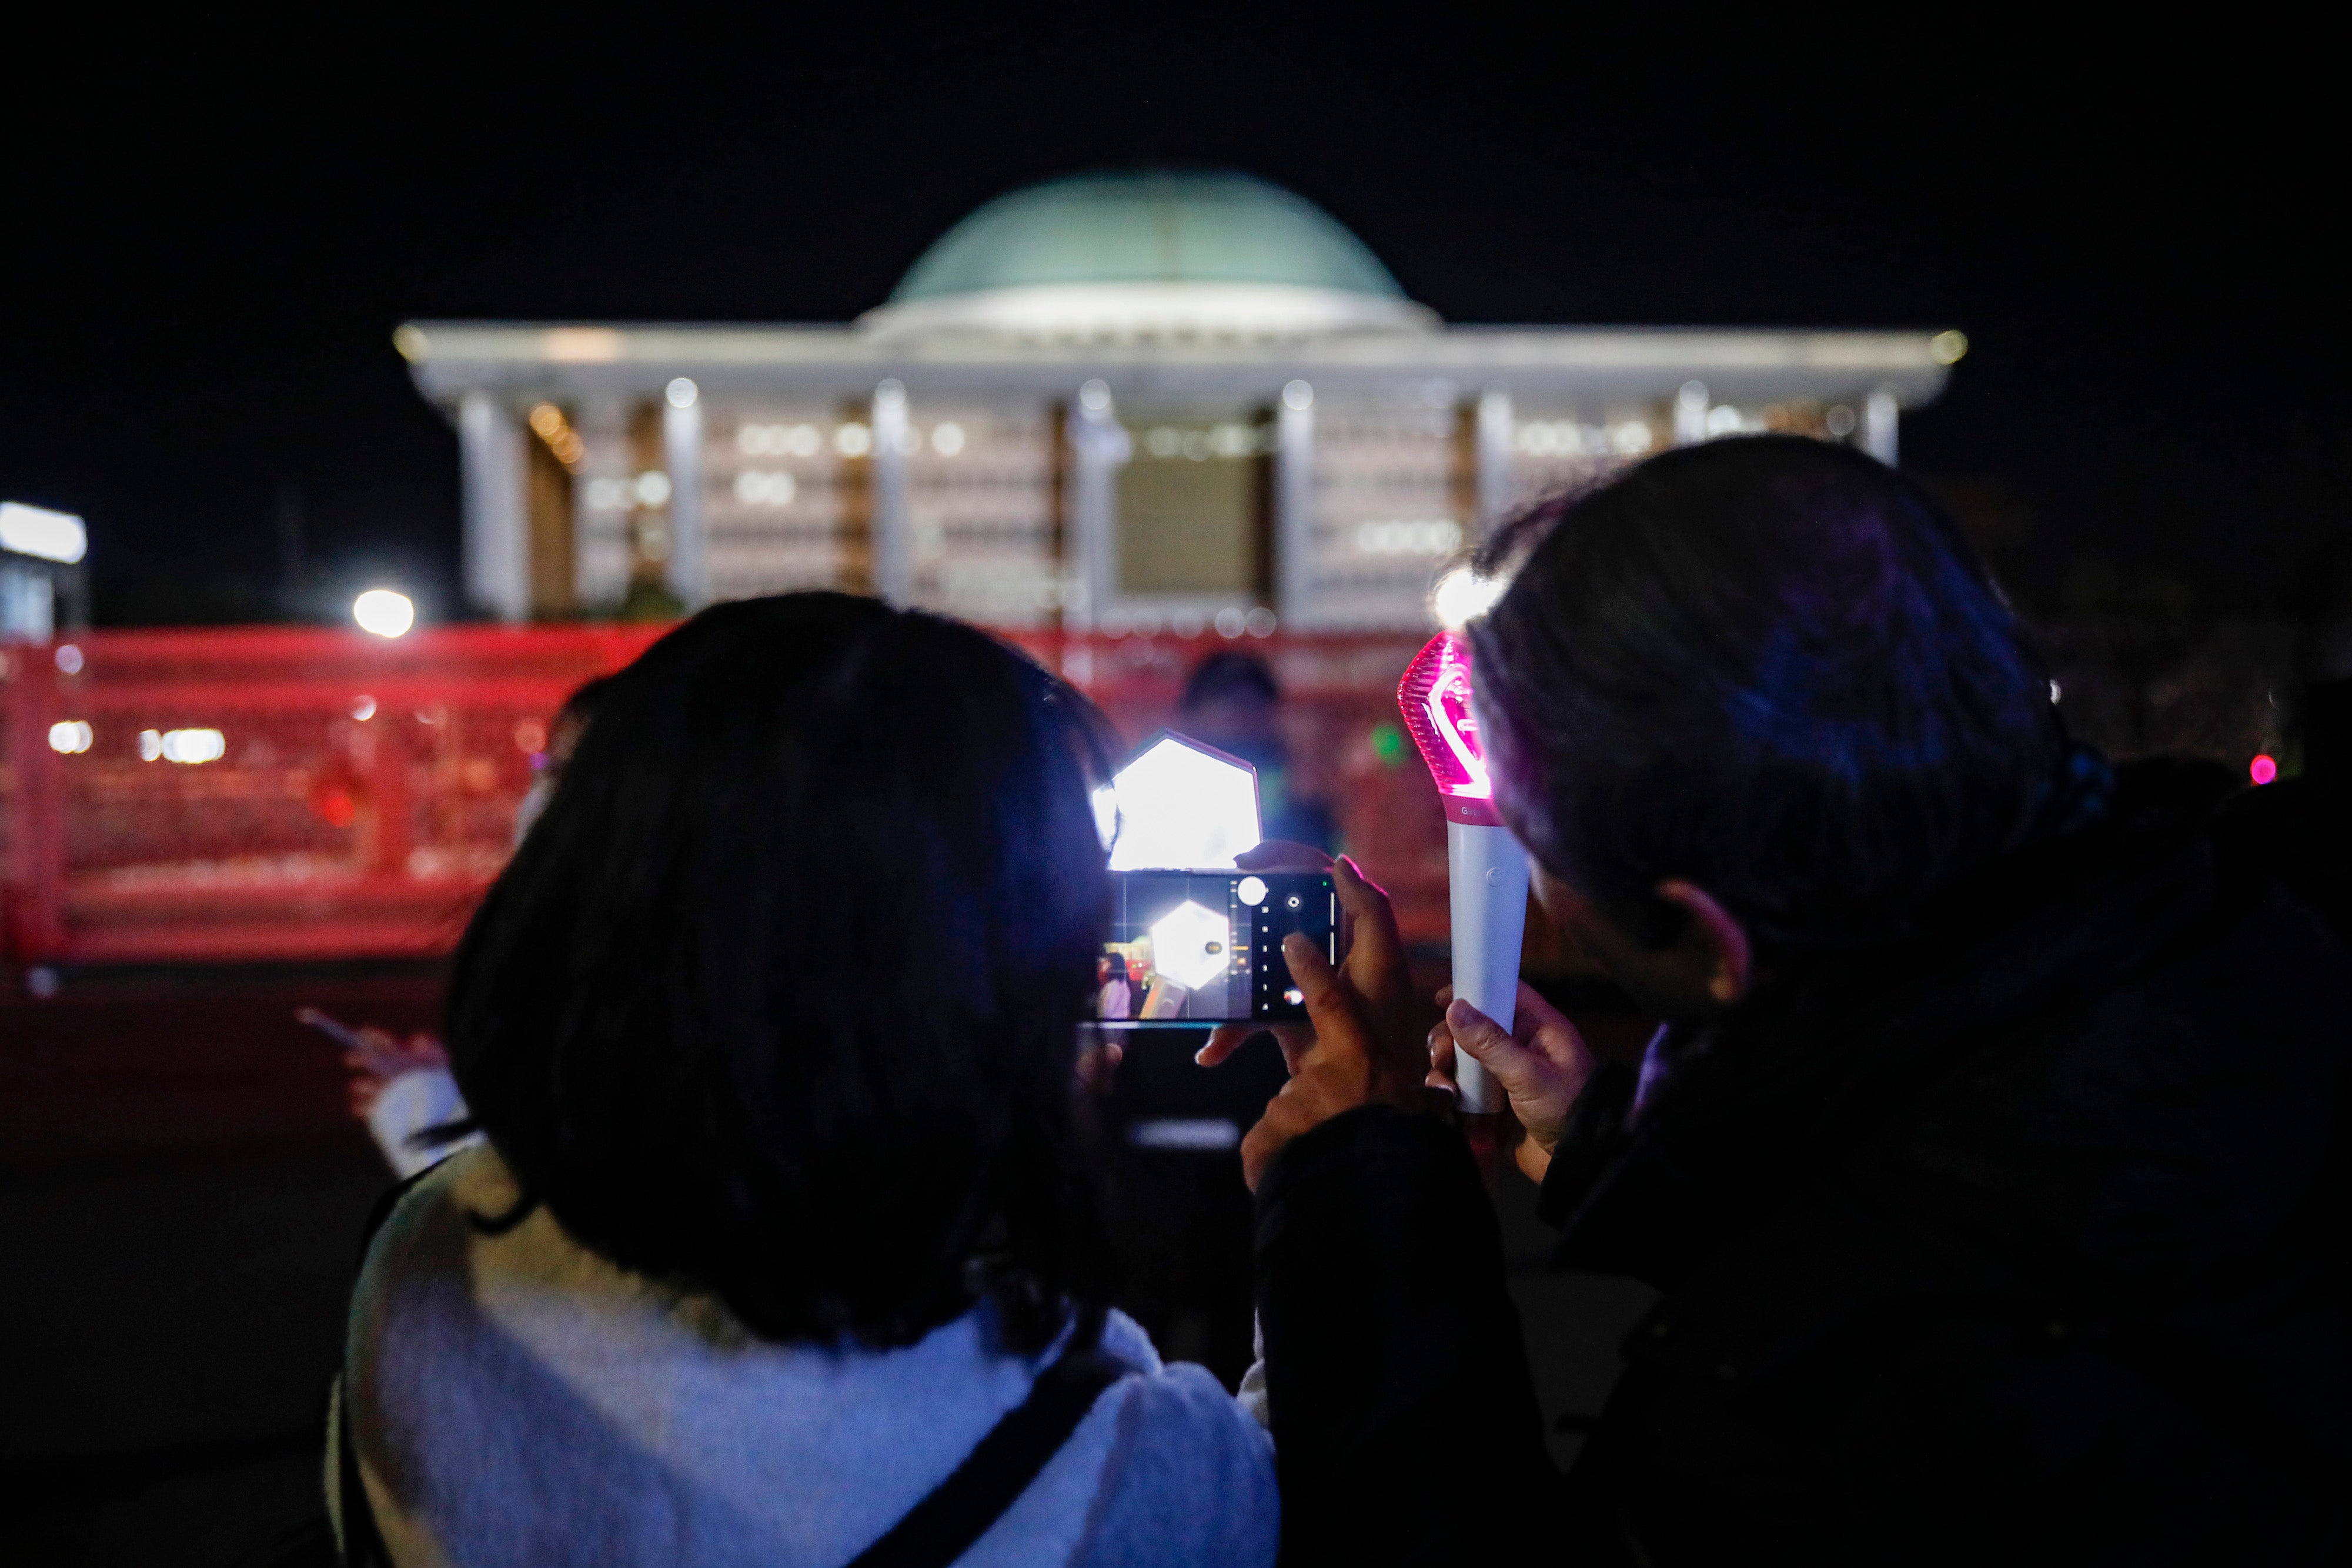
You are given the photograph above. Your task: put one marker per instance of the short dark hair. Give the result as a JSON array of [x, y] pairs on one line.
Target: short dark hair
[[779, 998], [1769, 666]]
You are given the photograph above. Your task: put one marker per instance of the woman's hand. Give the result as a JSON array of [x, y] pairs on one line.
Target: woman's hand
[[1358, 1046], [375, 1057], [1543, 1064], [1378, 971]]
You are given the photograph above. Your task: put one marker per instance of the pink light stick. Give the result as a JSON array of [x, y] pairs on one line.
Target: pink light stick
[[1487, 871]]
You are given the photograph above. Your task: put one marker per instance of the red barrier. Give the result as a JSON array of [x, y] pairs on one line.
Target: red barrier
[[364, 791]]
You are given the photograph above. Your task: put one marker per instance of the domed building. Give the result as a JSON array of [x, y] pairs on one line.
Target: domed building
[[1112, 402]]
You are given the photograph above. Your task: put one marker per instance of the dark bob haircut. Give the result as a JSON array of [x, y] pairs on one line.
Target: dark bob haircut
[[778, 998], [1768, 666]]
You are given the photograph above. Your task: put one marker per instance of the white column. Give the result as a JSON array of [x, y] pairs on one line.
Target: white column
[[1690, 414], [689, 572], [1294, 506], [1097, 447], [894, 542], [28, 604], [1878, 416], [497, 540], [1493, 478]]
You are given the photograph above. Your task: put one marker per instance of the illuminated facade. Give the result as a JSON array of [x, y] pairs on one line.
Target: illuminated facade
[[1107, 403]]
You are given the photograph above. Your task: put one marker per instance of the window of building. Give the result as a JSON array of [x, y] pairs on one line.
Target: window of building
[[1194, 508]]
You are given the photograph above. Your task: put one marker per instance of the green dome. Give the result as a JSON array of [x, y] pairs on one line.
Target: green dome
[[1147, 228]]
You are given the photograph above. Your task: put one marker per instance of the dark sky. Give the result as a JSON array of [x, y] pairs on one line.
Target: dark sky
[[209, 237]]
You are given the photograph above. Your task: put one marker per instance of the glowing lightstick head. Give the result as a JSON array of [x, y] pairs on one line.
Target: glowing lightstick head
[[1435, 698], [1178, 806]]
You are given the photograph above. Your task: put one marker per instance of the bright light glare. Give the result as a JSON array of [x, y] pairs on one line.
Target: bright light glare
[[1192, 945], [383, 612], [946, 438], [1461, 596], [1440, 536], [1948, 347], [760, 487], [188, 746], [38, 531], [1183, 806], [2262, 769], [71, 736], [682, 392]]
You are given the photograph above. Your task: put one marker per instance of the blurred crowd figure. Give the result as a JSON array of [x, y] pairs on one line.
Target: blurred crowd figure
[[1114, 999], [1233, 703], [403, 1090]]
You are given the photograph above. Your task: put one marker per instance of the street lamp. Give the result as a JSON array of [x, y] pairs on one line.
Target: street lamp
[[383, 612]]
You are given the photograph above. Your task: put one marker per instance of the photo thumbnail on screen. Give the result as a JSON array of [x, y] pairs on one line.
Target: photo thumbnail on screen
[[1193, 947]]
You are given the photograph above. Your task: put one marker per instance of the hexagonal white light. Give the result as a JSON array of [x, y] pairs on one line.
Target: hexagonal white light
[[1183, 806], [1192, 945]]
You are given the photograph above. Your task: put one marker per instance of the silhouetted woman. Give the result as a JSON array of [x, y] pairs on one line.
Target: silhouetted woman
[[783, 1247]]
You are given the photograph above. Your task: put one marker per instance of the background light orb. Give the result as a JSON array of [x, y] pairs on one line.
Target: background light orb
[[384, 612]]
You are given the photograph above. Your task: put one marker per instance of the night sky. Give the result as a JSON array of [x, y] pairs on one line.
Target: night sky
[[210, 236]]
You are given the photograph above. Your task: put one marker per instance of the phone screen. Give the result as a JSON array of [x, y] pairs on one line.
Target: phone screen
[[1194, 947]]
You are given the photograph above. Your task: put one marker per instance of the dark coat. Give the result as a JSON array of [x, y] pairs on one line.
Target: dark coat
[[2024, 1236]]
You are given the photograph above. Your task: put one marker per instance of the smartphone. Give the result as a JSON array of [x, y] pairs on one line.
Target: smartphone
[[1192, 947]]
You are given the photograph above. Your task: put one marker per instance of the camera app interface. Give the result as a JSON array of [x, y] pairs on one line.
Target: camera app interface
[[1206, 947]]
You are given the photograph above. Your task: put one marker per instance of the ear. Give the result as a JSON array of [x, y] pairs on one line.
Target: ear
[[1714, 942]]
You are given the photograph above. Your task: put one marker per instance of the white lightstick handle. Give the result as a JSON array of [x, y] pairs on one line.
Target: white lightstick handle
[[1488, 871]]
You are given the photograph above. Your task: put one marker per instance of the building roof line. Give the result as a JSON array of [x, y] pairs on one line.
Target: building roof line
[[450, 358]]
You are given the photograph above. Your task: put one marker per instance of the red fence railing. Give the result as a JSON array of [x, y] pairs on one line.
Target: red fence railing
[[364, 792]]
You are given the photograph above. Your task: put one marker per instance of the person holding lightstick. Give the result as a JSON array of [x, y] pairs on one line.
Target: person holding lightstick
[[1992, 1160]]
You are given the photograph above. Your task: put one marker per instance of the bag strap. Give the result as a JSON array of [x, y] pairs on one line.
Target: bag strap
[[960, 1508], [932, 1534]]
